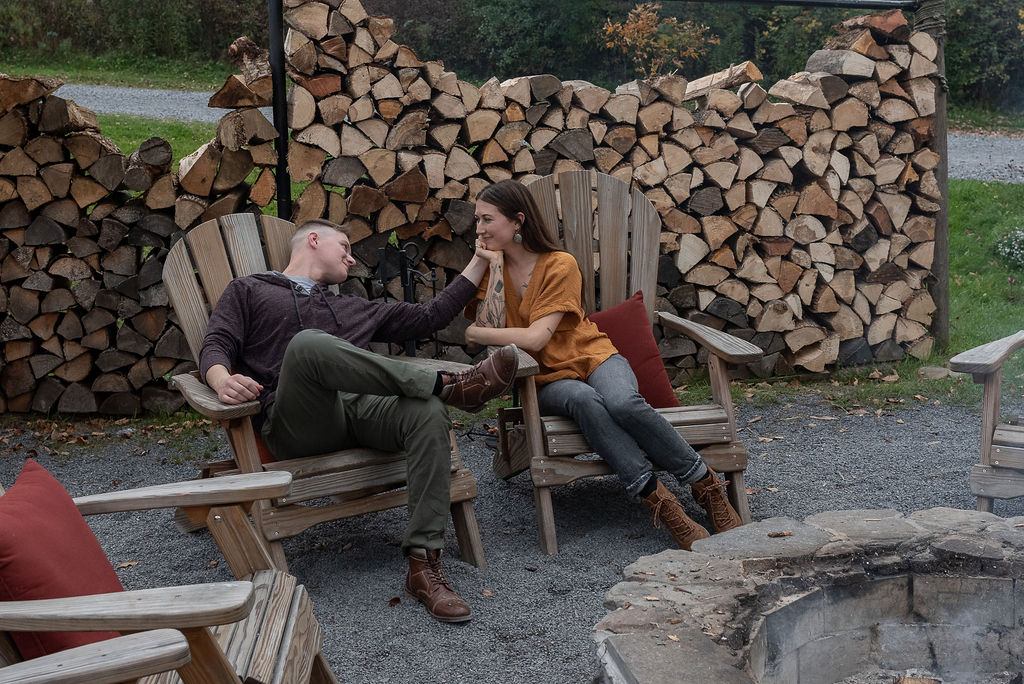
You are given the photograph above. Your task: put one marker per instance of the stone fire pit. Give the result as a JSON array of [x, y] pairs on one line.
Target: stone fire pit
[[843, 594]]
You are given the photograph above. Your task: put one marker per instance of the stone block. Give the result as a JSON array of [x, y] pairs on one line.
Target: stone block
[[834, 657], [688, 657], [863, 604], [792, 625], [869, 529], [967, 601]]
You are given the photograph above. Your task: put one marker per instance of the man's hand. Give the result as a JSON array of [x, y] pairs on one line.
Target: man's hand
[[232, 388]]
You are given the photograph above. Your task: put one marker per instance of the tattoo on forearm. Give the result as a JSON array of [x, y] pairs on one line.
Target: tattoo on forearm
[[491, 312]]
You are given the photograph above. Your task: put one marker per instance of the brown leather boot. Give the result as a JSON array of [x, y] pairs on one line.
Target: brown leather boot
[[471, 389], [427, 584], [665, 508], [708, 493]]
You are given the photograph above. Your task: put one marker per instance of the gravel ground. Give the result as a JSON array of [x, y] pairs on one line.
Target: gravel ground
[[533, 613]]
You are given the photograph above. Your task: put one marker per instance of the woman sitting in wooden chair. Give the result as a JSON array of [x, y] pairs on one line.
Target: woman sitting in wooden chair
[[531, 298]]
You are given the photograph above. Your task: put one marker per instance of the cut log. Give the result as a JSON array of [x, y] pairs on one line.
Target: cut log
[[736, 75], [841, 63]]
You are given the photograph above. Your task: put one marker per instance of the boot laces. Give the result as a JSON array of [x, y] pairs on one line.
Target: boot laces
[[436, 572], [712, 498], [673, 515]]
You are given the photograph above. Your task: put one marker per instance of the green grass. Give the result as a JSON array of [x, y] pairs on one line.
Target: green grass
[[118, 69], [986, 294], [128, 132], [976, 119]]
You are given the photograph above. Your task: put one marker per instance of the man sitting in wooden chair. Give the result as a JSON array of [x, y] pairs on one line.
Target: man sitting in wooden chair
[[301, 350]]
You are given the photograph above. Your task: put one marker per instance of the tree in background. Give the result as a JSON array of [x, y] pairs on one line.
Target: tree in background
[[652, 42], [985, 53], [483, 38]]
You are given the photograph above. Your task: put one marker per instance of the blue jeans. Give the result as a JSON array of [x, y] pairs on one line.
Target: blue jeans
[[621, 426]]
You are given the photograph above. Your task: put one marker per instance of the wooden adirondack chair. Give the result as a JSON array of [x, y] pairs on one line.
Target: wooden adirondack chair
[[585, 204], [121, 659], [999, 473], [257, 631], [196, 271]]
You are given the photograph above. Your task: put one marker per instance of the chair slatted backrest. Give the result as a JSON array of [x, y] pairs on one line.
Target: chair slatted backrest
[[582, 205], [199, 267]]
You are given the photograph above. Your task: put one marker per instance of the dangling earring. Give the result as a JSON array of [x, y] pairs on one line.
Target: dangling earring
[[517, 238]]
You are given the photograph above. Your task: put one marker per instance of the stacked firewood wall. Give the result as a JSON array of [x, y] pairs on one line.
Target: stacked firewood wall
[[799, 216], [83, 229]]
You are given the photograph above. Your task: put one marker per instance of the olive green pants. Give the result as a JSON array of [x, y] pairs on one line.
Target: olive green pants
[[332, 395]]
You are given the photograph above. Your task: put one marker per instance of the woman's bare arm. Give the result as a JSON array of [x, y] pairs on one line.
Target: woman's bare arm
[[491, 311]]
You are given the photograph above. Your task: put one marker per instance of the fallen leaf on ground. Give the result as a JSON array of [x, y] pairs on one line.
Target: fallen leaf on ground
[[128, 564], [891, 378], [651, 598], [825, 417], [487, 592], [938, 441], [900, 421], [394, 602], [772, 489], [751, 491], [780, 534], [673, 637]]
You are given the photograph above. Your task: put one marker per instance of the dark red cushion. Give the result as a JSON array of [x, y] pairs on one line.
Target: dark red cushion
[[627, 326], [48, 551]]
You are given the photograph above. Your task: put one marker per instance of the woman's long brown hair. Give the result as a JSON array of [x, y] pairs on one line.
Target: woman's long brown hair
[[510, 198]]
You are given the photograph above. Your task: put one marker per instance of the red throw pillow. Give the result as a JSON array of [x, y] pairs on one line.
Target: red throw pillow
[[48, 551], [627, 326]]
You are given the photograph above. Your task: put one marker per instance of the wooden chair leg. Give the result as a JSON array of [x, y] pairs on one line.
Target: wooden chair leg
[[467, 531], [321, 673], [545, 520], [985, 504], [186, 524], [208, 665], [737, 491]]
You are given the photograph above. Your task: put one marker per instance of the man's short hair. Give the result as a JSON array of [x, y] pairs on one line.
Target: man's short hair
[[317, 224]]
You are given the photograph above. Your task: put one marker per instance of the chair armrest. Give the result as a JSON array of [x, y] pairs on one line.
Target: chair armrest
[[988, 357], [181, 607], [122, 659], [211, 491], [724, 345], [434, 364], [203, 399], [527, 364]]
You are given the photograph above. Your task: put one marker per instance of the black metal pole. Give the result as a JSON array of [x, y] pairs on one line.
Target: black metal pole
[[284, 184], [408, 291], [847, 4]]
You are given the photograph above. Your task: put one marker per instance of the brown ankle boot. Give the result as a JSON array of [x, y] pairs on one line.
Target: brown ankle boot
[[665, 508], [708, 493], [427, 584]]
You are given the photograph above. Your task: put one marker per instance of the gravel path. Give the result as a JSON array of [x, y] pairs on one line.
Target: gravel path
[[533, 613], [161, 104]]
